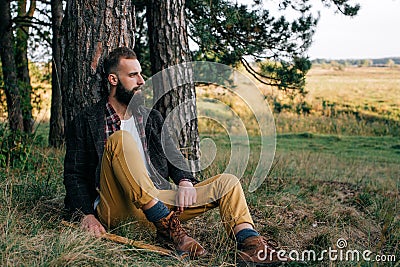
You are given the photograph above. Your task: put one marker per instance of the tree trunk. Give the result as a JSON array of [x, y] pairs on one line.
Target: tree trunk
[[91, 28], [21, 59], [56, 135], [169, 46], [9, 68]]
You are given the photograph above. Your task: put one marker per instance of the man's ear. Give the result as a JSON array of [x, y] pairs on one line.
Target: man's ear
[[112, 79]]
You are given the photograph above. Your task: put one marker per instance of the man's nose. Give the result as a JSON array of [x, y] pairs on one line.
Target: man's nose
[[141, 80]]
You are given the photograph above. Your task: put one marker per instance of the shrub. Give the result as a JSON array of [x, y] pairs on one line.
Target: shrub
[[15, 147]]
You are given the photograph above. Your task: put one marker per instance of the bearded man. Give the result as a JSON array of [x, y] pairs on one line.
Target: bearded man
[[116, 169]]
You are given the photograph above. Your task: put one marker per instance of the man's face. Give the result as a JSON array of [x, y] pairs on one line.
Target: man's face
[[129, 73], [129, 82]]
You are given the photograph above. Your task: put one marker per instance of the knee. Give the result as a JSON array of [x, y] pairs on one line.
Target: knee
[[229, 179]]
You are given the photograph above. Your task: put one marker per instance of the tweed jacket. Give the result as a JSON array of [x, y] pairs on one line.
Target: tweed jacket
[[85, 146]]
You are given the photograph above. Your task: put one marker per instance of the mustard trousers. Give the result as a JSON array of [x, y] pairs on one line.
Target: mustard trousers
[[125, 187]]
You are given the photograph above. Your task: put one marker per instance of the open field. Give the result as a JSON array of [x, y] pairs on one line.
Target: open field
[[352, 101], [372, 89], [333, 176]]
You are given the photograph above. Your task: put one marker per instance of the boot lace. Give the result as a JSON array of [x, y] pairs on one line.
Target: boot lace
[[271, 243], [176, 230]]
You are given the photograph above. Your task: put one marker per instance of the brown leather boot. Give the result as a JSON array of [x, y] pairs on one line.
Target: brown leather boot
[[259, 251], [170, 229]]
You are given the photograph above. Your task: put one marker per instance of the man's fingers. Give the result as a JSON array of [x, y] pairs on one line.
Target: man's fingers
[[90, 230], [191, 198], [192, 201], [182, 201], [182, 204], [97, 231], [188, 198], [185, 197], [194, 195], [178, 201], [90, 224]]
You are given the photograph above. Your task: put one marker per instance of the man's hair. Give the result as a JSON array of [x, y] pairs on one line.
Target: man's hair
[[112, 60]]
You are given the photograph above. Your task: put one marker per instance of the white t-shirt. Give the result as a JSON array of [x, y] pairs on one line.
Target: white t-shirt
[[130, 126]]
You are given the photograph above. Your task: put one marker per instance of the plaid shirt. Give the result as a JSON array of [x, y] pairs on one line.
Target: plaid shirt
[[113, 124]]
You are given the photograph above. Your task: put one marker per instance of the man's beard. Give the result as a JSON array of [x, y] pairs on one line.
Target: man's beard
[[128, 97]]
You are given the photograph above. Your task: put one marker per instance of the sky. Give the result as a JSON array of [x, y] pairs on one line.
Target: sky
[[373, 33]]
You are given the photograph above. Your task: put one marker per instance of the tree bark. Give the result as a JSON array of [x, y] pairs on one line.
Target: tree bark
[[56, 135], [21, 59], [168, 47], [91, 28], [9, 68]]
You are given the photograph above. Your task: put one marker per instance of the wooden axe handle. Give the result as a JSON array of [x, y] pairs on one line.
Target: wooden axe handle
[[126, 241]]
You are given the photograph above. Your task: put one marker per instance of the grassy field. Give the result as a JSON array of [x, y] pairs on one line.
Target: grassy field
[[333, 176], [351, 101], [373, 90]]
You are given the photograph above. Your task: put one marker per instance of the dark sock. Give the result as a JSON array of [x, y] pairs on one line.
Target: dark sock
[[157, 212], [243, 235]]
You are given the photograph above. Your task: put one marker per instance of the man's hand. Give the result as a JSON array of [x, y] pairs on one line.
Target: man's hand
[[186, 195], [92, 225]]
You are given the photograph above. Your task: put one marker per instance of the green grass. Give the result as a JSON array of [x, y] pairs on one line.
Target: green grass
[[321, 188], [367, 148]]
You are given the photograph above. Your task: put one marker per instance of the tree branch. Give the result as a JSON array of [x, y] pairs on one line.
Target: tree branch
[[32, 8], [30, 20], [39, 32], [244, 62], [249, 70], [255, 74]]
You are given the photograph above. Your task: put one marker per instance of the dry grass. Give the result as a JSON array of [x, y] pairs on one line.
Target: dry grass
[[309, 201], [353, 101], [372, 90]]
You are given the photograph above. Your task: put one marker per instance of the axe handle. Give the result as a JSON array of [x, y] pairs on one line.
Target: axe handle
[[126, 241]]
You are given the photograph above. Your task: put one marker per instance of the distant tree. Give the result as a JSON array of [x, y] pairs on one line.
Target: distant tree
[[11, 86], [390, 63], [21, 58], [15, 33], [56, 134], [336, 65], [365, 63]]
